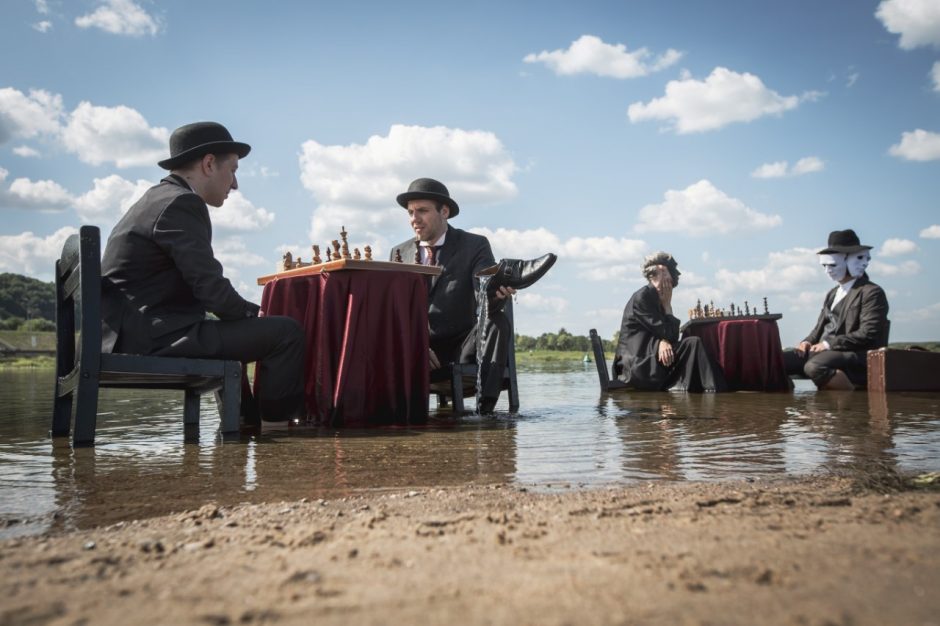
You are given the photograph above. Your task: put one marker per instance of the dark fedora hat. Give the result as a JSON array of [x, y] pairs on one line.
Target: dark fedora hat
[[428, 189], [190, 142], [843, 242]]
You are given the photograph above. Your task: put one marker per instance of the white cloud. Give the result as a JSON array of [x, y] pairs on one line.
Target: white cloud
[[781, 169], [120, 17], [918, 145], [26, 152], [40, 195], [590, 55], [542, 304], [721, 99], [702, 209], [114, 134], [931, 232], [238, 213], [356, 185], [43, 27], [929, 312], [42, 6], [597, 258], [897, 247], [907, 268], [23, 116], [31, 255], [3, 174], [935, 76], [233, 252], [852, 79], [109, 199], [783, 272], [916, 21]]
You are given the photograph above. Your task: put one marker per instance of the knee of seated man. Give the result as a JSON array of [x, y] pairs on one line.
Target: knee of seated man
[[813, 368], [287, 329]]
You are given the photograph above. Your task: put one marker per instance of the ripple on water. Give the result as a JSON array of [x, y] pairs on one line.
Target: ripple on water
[[567, 434]]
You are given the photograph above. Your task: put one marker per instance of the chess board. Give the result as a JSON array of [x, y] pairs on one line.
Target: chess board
[[352, 264], [728, 318]]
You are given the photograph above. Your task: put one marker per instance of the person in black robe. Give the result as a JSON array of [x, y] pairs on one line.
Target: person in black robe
[[650, 356]]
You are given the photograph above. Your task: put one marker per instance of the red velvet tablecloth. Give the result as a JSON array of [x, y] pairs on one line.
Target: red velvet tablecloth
[[748, 351], [367, 343]]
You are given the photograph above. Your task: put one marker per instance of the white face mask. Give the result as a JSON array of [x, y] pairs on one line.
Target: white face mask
[[857, 263], [834, 264]]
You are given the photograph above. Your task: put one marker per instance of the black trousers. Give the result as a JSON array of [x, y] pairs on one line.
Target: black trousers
[[496, 334], [694, 370], [276, 342], [822, 366]]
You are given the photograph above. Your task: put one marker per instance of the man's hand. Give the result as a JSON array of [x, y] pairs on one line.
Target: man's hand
[[803, 348], [818, 347], [662, 282], [432, 359], [504, 292], [666, 356]]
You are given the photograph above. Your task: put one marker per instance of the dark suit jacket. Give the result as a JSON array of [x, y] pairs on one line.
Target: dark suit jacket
[[644, 324], [863, 321], [452, 303], [159, 275]]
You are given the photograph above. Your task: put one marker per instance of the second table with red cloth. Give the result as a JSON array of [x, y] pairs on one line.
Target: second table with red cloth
[[367, 343], [748, 350]]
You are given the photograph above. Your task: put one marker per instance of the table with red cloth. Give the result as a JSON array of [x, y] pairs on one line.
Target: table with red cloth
[[367, 343], [748, 350]]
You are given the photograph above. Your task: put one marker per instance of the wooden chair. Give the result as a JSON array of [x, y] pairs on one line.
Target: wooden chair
[[600, 361], [458, 380], [81, 368]]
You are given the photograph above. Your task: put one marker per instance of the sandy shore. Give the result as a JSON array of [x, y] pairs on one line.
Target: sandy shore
[[817, 551]]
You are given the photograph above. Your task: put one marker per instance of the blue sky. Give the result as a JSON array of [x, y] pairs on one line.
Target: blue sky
[[734, 134]]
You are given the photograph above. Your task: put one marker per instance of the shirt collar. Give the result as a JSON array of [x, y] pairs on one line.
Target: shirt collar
[[438, 243]]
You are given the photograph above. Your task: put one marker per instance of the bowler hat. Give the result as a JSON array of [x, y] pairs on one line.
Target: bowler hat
[[428, 189], [190, 142], [843, 242]]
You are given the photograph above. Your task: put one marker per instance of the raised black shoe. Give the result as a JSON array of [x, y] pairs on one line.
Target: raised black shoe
[[518, 273]]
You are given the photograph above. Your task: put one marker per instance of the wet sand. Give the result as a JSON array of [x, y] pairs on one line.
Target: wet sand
[[820, 551]]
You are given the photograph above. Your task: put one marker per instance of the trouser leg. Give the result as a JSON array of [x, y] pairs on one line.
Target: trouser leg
[[694, 369], [276, 342], [822, 366], [793, 363], [493, 353]]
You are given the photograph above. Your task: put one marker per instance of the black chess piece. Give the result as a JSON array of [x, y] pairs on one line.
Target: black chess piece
[[747, 308], [766, 310]]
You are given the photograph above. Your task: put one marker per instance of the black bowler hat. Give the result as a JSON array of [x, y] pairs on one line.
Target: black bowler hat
[[428, 189], [843, 242], [190, 142]]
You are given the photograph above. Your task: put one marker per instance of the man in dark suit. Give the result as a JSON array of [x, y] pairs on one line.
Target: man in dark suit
[[160, 277], [650, 356], [452, 296], [853, 320]]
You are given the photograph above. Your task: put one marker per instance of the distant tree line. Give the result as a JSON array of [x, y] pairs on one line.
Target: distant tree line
[[563, 341], [26, 303]]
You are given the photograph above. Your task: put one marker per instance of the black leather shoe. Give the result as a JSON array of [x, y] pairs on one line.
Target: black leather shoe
[[517, 273]]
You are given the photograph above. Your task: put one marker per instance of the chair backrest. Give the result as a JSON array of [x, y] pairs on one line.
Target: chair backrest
[[78, 298], [600, 360]]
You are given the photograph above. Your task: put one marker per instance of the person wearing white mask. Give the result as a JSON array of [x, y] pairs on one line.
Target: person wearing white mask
[[853, 320]]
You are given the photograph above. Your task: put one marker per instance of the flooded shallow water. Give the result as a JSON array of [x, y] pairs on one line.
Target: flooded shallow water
[[567, 435]]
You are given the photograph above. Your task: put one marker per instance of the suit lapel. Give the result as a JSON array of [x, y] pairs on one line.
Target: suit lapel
[[849, 303], [444, 255]]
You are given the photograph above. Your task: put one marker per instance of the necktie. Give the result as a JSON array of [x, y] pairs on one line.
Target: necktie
[[432, 255]]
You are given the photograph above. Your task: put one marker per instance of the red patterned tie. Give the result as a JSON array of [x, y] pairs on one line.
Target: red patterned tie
[[432, 255]]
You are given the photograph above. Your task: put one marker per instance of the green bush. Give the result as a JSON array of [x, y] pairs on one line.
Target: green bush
[[37, 325]]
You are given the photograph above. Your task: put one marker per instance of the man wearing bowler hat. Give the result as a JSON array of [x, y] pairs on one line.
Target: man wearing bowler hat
[[160, 277], [452, 296], [853, 320]]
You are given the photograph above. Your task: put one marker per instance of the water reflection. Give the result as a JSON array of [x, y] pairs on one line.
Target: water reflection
[[567, 435]]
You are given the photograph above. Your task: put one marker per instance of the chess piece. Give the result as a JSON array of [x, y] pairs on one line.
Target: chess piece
[[698, 309], [356, 255], [345, 245], [417, 255], [711, 309], [316, 255], [732, 309], [747, 308], [287, 261], [766, 311], [368, 251], [398, 255], [336, 254]]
